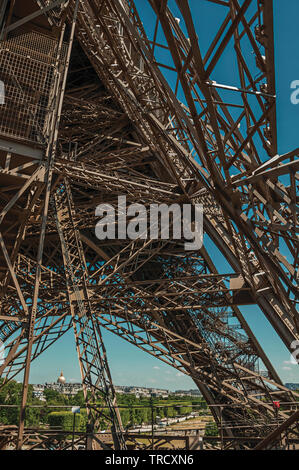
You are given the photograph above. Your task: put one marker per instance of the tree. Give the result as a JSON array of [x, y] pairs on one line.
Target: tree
[[11, 394], [54, 398], [65, 419], [211, 429], [78, 399]]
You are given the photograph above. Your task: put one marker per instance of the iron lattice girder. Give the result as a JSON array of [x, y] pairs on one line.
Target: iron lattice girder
[[132, 318], [275, 302], [92, 357], [98, 304], [137, 188], [246, 214]]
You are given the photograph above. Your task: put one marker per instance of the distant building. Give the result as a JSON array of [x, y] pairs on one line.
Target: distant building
[[156, 392], [292, 386], [188, 393], [61, 380], [38, 392], [142, 391], [69, 389], [182, 393]]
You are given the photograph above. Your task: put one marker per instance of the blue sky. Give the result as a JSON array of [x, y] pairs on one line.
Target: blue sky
[[128, 364]]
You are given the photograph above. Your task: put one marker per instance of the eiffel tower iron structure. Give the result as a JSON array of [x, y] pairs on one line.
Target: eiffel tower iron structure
[[101, 103]]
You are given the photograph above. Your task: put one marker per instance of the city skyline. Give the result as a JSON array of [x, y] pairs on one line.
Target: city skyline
[[130, 366]]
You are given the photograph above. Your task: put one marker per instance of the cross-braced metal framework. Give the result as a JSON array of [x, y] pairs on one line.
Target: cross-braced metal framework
[[100, 104]]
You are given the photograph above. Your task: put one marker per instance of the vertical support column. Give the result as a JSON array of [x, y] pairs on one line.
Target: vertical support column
[[9, 17], [2, 15], [50, 155], [89, 437]]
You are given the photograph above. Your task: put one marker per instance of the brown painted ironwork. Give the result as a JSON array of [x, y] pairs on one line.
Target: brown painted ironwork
[[89, 115]]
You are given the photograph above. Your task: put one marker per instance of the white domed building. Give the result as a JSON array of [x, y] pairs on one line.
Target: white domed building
[[61, 380]]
